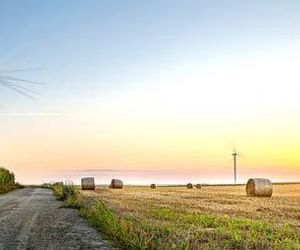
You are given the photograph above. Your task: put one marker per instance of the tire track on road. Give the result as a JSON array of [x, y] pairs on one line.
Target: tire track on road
[[33, 219]]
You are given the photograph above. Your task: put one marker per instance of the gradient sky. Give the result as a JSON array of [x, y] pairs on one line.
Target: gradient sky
[[152, 91]]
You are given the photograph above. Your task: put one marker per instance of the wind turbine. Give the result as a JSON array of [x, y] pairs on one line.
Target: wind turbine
[[234, 154]]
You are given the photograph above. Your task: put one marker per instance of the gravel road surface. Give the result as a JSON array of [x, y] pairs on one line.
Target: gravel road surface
[[32, 218]]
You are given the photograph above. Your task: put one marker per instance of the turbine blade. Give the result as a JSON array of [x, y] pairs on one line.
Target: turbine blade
[[234, 148], [241, 154]]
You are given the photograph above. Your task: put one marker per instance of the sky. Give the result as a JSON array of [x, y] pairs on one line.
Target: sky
[[151, 91]]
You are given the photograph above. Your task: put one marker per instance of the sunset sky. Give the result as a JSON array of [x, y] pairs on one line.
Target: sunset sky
[[151, 91]]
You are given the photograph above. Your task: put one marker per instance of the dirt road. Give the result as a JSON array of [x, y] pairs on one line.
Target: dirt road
[[32, 218]]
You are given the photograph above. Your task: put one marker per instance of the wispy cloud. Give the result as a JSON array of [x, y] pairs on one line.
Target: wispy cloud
[[32, 114], [113, 170]]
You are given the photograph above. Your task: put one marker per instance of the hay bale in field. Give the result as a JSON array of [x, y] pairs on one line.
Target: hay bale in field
[[189, 186], [198, 186], [259, 187], [116, 184], [88, 183], [153, 186]]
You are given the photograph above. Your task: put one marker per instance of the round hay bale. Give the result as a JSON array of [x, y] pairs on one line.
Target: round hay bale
[[88, 183], [189, 186], [116, 184], [259, 187], [198, 186], [153, 186]]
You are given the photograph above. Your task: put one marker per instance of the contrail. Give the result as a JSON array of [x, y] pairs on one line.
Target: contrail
[[10, 78], [16, 88], [19, 85], [19, 70]]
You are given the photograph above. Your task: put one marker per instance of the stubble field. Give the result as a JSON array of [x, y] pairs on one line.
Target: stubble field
[[214, 217]]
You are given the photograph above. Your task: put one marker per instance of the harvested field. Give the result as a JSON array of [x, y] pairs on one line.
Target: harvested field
[[212, 217]]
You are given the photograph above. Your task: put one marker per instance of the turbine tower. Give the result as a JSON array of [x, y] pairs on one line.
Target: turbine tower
[[234, 154]]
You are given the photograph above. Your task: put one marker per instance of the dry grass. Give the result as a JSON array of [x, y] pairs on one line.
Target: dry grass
[[283, 207], [183, 212]]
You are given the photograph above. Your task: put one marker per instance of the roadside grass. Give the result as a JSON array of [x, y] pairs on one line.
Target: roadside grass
[[7, 189], [7, 181], [139, 223], [67, 193]]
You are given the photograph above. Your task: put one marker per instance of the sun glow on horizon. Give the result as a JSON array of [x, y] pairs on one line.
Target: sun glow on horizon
[[168, 91], [187, 122]]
